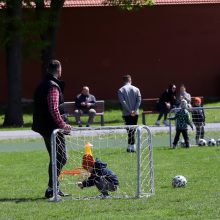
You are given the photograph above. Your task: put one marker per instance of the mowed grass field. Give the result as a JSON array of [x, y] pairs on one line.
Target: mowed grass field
[[23, 177]]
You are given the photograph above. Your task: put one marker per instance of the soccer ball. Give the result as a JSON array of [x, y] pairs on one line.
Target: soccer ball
[[211, 142], [202, 142], [179, 181], [182, 143], [218, 142]]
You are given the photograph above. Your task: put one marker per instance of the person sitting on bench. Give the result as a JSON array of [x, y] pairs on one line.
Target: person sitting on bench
[[85, 104]]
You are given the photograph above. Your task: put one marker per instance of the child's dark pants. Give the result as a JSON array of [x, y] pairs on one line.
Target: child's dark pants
[[199, 131], [185, 137], [104, 186]]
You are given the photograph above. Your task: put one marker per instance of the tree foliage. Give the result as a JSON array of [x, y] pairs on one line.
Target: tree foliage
[[33, 25], [129, 4], [29, 28]]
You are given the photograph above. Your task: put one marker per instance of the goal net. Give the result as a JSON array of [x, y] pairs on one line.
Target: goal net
[[206, 126], [129, 174]]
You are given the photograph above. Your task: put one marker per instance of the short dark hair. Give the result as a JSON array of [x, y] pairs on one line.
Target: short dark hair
[[126, 78], [53, 66]]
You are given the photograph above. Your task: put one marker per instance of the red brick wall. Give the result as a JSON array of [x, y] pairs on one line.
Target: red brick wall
[[156, 45]]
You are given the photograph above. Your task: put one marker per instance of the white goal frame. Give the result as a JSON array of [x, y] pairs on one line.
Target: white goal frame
[[145, 170]]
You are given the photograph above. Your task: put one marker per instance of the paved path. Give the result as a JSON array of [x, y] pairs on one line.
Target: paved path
[[24, 134]]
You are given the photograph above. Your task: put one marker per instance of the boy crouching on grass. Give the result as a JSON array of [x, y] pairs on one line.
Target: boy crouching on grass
[[182, 120], [102, 177]]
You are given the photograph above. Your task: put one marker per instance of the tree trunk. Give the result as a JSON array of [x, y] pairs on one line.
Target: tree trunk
[[50, 33], [13, 115]]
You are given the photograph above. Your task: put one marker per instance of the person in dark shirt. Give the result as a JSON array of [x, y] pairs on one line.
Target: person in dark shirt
[[198, 118], [85, 104], [101, 177], [47, 116], [166, 102], [182, 121]]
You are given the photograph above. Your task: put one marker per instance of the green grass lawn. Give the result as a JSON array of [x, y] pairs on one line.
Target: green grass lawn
[[24, 177], [113, 116]]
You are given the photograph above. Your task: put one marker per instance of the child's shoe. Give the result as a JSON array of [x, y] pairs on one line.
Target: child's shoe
[[157, 123], [131, 148], [174, 146], [104, 196], [166, 123]]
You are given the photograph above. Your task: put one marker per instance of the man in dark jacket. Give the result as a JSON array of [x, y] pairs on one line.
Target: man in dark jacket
[[166, 102], [85, 104], [102, 177], [48, 100]]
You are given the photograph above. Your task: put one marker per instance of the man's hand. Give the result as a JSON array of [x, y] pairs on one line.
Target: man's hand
[[80, 185], [67, 129], [168, 105], [88, 105], [133, 113], [83, 104]]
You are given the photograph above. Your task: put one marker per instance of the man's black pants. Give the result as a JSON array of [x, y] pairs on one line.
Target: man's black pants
[[61, 155], [131, 120]]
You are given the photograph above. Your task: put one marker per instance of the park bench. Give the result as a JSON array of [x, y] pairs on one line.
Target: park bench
[[150, 106], [69, 109]]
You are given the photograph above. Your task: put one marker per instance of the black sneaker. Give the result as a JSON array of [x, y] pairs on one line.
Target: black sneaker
[[131, 150], [104, 196], [87, 126], [49, 193], [80, 125], [60, 193]]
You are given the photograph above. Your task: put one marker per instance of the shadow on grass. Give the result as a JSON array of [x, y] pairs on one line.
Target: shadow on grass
[[19, 200]]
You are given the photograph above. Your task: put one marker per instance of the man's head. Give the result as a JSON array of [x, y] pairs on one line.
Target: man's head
[[85, 90], [183, 104], [88, 162], [126, 79], [182, 88], [54, 68]]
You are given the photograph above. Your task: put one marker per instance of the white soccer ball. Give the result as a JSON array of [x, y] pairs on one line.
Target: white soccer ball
[[211, 142], [218, 142], [182, 143], [202, 142], [179, 181]]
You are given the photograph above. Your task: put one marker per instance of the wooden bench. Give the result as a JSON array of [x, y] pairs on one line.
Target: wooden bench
[[150, 106], [69, 108]]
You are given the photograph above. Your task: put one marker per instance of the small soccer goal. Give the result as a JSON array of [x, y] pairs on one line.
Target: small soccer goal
[[128, 175]]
